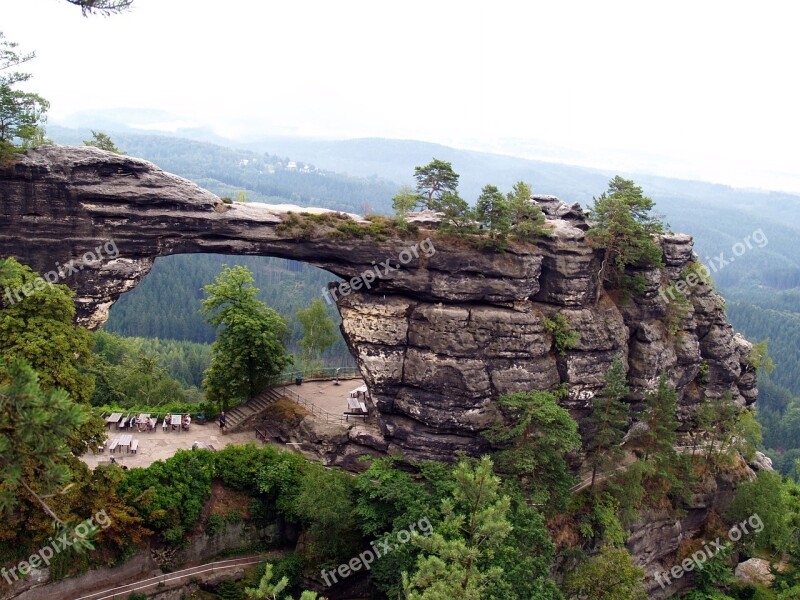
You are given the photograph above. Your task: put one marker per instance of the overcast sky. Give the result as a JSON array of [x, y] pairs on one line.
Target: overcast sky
[[698, 89]]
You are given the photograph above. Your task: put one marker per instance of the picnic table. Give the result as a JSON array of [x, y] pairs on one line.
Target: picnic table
[[176, 420], [113, 418], [356, 405], [362, 389], [355, 408], [125, 440]]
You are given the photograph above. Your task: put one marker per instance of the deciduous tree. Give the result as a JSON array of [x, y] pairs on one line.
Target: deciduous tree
[[250, 347], [40, 329], [609, 575], [405, 200], [319, 332]]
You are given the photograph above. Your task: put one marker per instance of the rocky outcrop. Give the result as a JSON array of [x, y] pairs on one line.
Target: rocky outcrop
[[439, 328], [755, 571]]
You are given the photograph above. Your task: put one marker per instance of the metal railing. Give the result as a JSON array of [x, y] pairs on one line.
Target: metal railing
[[310, 406], [310, 374]]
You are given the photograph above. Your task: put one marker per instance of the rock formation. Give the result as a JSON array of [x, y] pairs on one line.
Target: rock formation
[[438, 335]]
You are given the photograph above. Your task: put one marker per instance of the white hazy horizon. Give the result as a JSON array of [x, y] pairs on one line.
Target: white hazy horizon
[[691, 90]]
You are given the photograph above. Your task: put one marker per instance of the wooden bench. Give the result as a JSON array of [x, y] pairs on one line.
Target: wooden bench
[[134, 446], [113, 447]]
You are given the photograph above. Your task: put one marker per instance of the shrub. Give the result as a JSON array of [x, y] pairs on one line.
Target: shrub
[[564, 337], [677, 312], [233, 516], [238, 466], [169, 495], [702, 374], [214, 525], [227, 199]]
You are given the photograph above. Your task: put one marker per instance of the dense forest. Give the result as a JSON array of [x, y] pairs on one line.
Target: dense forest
[[165, 304]]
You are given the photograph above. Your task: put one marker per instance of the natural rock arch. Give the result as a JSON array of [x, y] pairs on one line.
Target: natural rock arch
[[437, 340]]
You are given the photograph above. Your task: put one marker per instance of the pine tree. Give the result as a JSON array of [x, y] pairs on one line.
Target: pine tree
[[22, 114], [457, 555], [493, 212], [527, 219], [434, 181], [103, 141], [534, 438], [608, 420], [623, 228], [661, 420], [34, 460]]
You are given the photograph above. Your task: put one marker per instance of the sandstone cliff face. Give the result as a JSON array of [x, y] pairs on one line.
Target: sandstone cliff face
[[437, 339]]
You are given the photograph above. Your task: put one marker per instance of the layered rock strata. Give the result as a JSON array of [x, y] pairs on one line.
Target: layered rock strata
[[443, 328], [440, 330]]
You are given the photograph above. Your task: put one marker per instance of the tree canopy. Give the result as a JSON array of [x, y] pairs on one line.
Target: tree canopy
[[319, 332], [33, 455], [39, 328], [434, 181], [623, 226], [608, 419], [250, 347], [493, 211], [534, 439], [475, 525]]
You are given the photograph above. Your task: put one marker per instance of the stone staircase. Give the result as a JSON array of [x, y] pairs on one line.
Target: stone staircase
[[238, 416]]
